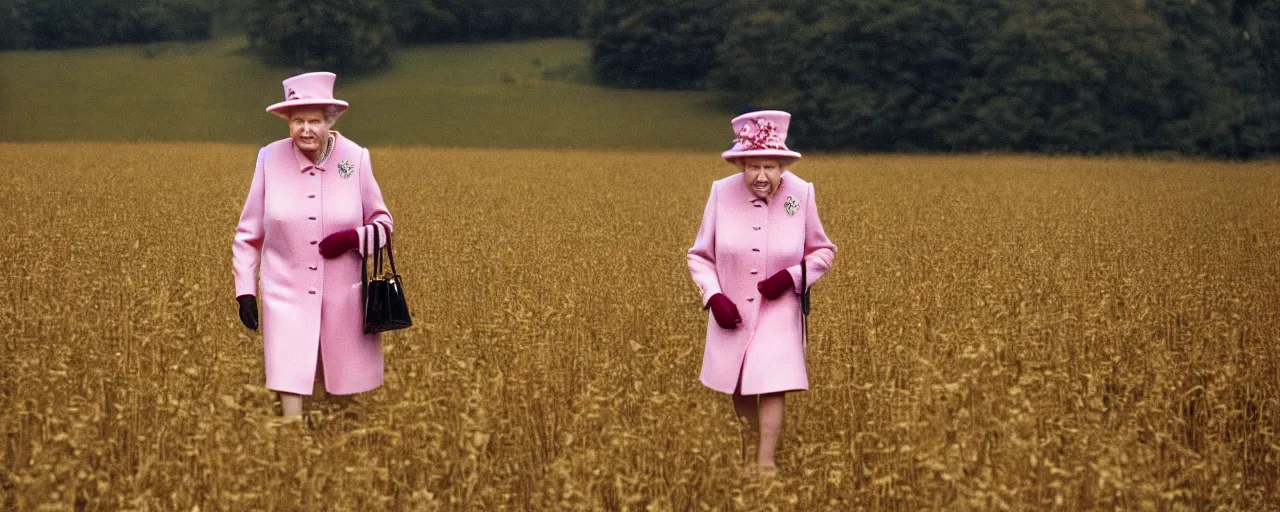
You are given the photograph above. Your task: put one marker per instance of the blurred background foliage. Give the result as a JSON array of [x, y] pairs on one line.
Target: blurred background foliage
[[52, 24], [1080, 76], [347, 36], [1196, 77], [422, 21]]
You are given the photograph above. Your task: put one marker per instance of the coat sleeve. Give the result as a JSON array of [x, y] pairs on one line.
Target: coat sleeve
[[702, 256], [375, 211], [246, 250], [818, 249]]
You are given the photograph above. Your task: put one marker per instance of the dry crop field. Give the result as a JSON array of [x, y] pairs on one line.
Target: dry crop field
[[996, 333]]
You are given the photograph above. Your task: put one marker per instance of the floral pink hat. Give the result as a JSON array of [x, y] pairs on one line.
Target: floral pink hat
[[308, 90], [762, 133]]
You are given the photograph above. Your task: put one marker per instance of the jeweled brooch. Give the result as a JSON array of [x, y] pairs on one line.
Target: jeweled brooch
[[791, 206], [345, 168]]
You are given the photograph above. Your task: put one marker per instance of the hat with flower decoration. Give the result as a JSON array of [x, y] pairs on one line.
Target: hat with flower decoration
[[761, 134], [308, 90]]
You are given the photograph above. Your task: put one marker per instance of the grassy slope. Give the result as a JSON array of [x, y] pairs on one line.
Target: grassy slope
[[443, 95]]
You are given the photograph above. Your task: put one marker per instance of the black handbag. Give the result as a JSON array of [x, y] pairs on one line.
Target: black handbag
[[384, 306]]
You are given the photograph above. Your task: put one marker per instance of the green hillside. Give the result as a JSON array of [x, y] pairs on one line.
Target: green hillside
[[525, 94]]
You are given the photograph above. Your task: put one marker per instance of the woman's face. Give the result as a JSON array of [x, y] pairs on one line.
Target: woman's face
[[762, 174], [308, 129]]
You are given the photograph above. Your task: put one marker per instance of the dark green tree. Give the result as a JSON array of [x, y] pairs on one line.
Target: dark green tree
[[871, 74], [1222, 93], [662, 44], [1260, 133], [423, 21], [344, 36], [1078, 76], [169, 20], [12, 30], [475, 20], [1211, 58], [1068, 76], [47, 24]]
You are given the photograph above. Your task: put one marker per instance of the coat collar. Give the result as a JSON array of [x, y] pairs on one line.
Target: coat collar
[[305, 164]]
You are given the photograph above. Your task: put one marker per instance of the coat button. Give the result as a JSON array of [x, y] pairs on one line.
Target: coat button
[[311, 218], [755, 250], [312, 196], [313, 174], [749, 299], [313, 242], [313, 267], [313, 292], [757, 228], [754, 271]]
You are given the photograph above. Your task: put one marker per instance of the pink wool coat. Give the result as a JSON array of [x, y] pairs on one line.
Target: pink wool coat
[[744, 240], [310, 306]]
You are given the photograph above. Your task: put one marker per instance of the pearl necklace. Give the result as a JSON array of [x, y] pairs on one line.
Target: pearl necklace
[[328, 149]]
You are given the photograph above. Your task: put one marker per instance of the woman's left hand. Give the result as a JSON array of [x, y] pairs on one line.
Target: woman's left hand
[[339, 243], [776, 285]]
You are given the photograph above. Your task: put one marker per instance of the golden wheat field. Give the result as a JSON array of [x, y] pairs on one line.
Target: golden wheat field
[[1021, 333]]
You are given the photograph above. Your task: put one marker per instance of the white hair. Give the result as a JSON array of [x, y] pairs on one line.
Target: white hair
[[783, 162], [330, 112]]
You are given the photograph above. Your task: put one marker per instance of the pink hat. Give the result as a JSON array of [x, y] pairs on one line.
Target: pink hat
[[308, 90], [762, 133]]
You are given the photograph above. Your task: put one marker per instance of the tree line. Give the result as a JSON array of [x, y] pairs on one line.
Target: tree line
[[361, 35], [52, 24], [1080, 76], [287, 31]]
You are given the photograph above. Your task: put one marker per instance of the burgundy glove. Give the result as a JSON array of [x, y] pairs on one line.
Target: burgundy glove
[[724, 311], [248, 311], [776, 285], [338, 243]]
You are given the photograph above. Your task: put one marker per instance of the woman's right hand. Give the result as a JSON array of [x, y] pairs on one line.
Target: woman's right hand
[[248, 311], [724, 311]]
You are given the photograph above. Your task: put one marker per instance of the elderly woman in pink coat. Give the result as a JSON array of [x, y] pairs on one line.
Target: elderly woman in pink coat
[[312, 203], [759, 226]]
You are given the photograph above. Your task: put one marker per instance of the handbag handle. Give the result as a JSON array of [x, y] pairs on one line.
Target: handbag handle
[[804, 287], [377, 253], [377, 257], [364, 274], [804, 300], [391, 257]]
